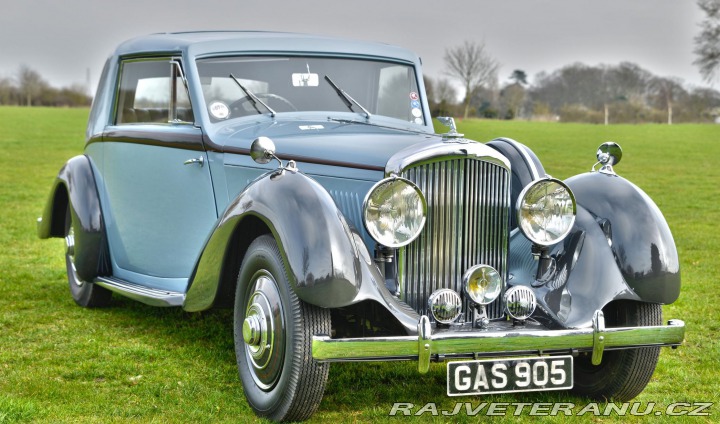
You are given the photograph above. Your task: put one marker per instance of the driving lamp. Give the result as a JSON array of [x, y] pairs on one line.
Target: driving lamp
[[482, 283]]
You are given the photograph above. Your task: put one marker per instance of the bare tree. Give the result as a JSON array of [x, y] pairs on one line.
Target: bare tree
[[472, 65], [513, 97], [30, 83], [8, 92], [707, 43], [667, 91], [446, 96]]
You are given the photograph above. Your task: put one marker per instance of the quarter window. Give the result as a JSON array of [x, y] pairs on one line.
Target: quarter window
[[152, 91]]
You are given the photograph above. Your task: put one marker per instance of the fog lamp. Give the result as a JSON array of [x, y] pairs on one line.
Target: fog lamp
[[520, 302], [445, 305]]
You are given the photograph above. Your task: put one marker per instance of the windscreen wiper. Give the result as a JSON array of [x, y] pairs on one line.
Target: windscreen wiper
[[346, 98], [253, 98]]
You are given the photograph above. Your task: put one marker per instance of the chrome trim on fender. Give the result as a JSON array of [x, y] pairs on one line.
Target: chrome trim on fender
[[528, 160], [498, 343]]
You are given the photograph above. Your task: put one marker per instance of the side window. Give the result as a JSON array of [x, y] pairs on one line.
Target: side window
[[152, 91]]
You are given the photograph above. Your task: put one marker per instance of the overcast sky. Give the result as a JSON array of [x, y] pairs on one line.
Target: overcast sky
[[64, 40]]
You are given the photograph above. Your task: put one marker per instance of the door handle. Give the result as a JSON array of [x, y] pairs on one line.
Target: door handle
[[199, 160]]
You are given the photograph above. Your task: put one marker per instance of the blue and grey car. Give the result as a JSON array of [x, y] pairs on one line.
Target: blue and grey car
[[298, 180]]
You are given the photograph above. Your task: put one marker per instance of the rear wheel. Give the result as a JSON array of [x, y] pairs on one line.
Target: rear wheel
[[273, 338], [623, 374], [84, 293]]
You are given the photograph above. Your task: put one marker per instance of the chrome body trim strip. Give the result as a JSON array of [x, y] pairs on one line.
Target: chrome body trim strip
[[148, 296], [475, 343]]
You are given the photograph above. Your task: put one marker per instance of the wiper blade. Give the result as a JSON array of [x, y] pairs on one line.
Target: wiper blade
[[253, 98], [346, 97]]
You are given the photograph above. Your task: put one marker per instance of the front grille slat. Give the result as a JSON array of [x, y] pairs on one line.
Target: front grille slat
[[467, 224]]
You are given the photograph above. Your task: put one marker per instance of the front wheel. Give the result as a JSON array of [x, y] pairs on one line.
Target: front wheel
[[84, 293], [622, 374], [273, 338]]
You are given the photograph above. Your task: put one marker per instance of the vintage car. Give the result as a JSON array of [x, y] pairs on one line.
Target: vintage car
[[298, 179]]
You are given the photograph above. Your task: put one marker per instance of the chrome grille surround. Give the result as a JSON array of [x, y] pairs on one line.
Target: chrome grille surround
[[467, 188]]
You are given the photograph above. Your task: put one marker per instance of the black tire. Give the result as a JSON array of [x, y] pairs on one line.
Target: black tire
[[280, 379], [84, 293], [623, 374]]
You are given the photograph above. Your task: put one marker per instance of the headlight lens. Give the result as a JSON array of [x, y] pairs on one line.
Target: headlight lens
[[394, 212], [546, 211], [482, 283]]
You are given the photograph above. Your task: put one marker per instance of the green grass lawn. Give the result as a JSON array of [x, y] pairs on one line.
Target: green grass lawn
[[131, 362]]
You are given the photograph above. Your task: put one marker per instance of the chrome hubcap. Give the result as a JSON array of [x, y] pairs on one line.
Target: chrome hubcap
[[70, 253], [263, 331], [252, 328]]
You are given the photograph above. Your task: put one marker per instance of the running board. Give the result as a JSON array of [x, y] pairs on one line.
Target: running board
[[149, 296]]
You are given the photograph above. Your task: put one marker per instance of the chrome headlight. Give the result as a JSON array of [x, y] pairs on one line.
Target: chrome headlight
[[394, 212], [546, 211], [482, 283]]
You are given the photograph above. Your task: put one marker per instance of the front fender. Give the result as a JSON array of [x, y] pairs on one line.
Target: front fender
[[639, 236], [619, 248], [75, 184], [326, 260]]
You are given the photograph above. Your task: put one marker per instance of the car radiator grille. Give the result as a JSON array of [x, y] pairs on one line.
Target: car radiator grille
[[467, 224]]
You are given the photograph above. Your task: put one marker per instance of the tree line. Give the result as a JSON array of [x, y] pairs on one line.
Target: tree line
[[623, 93], [29, 88]]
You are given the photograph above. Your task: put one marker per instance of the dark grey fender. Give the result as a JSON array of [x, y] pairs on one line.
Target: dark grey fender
[[620, 248], [525, 167], [75, 184], [327, 261]]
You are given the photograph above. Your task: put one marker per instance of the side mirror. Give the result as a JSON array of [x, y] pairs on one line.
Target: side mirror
[[609, 153], [262, 150]]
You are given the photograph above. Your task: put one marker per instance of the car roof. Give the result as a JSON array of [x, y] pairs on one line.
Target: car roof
[[211, 43]]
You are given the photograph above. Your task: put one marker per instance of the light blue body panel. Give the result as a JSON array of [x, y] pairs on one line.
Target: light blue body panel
[[158, 211], [347, 187]]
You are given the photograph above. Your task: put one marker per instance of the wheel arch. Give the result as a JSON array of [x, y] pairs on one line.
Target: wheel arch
[[246, 231], [75, 189]]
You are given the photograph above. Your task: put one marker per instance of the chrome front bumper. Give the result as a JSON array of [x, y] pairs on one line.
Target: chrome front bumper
[[492, 342]]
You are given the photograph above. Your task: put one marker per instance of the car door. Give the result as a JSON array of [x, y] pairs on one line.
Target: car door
[[158, 198]]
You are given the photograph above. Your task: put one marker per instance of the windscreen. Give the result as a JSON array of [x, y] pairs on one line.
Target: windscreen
[[241, 86]]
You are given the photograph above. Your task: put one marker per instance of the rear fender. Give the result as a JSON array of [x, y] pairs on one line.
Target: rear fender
[[75, 185]]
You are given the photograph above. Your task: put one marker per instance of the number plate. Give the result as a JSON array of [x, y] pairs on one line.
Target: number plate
[[510, 375]]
